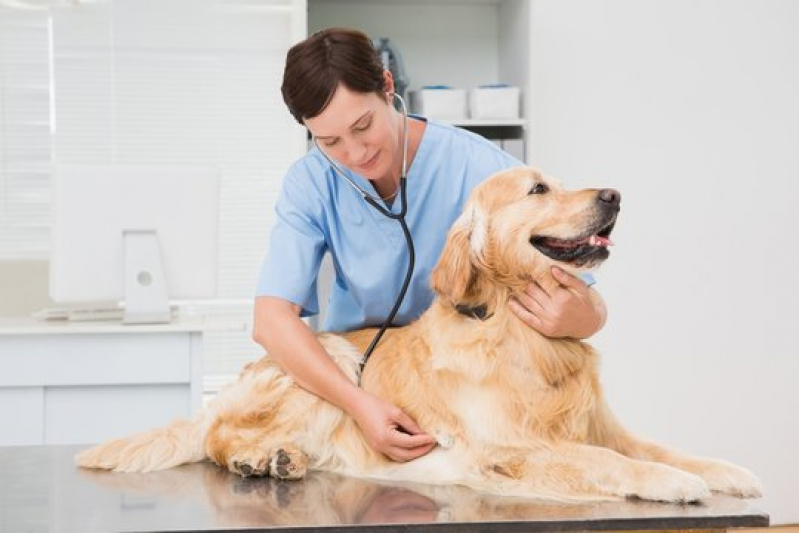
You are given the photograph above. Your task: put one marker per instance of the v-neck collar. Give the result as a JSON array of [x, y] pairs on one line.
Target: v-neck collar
[[421, 153]]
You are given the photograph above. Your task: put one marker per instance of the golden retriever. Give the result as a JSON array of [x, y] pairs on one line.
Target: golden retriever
[[514, 412]]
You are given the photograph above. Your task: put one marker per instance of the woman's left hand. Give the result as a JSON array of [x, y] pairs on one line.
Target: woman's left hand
[[569, 309]]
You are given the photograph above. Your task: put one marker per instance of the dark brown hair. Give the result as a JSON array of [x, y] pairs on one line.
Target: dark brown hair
[[316, 66]]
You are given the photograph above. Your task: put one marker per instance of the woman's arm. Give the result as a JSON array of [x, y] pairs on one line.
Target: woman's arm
[[279, 329]]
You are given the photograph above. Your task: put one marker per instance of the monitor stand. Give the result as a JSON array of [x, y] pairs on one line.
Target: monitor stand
[[145, 286]]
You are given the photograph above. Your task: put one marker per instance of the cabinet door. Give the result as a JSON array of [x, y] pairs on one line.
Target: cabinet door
[[21, 416], [83, 415]]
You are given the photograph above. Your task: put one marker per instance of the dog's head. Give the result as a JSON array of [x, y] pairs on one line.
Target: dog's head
[[518, 224]]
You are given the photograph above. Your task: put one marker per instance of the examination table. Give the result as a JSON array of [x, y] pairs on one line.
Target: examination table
[[42, 491]]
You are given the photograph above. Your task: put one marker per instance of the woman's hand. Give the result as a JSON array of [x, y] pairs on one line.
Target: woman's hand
[[570, 309], [389, 430], [296, 349], [399, 505]]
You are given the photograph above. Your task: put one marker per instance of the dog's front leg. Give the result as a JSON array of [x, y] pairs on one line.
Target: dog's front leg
[[720, 476], [578, 472]]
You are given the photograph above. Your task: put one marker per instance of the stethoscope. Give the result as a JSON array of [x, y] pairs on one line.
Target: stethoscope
[[375, 202]]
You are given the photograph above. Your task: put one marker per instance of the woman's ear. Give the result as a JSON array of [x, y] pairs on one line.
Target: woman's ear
[[388, 86], [454, 273]]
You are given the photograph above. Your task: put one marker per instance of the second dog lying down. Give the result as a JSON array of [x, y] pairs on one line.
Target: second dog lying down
[[515, 412]]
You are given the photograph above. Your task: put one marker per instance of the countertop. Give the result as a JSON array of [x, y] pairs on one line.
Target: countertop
[[41, 491], [32, 326]]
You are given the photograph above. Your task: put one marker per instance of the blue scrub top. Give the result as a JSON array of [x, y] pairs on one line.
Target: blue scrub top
[[318, 211]]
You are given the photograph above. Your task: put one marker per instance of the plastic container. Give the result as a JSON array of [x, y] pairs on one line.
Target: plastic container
[[439, 102], [494, 102]]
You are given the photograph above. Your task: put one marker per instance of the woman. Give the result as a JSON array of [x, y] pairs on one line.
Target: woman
[[335, 85]]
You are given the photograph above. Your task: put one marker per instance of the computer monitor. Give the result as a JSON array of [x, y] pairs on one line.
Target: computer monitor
[[139, 235]]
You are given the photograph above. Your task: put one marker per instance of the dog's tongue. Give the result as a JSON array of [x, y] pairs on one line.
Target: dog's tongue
[[596, 240]]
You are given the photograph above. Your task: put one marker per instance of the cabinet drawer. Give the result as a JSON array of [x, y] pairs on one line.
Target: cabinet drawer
[[113, 358]]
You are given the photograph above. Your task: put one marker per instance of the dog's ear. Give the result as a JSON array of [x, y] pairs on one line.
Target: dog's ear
[[455, 273]]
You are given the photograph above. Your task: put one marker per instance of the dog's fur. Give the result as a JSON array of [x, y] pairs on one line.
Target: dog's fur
[[516, 412]]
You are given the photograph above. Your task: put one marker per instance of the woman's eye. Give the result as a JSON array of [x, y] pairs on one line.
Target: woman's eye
[[330, 144], [364, 127], [539, 188]]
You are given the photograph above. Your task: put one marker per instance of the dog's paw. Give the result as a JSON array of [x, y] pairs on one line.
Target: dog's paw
[[728, 478], [288, 462], [249, 462], [664, 483]]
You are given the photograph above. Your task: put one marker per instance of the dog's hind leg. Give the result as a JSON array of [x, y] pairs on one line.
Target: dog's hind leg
[[283, 461], [288, 462], [254, 452]]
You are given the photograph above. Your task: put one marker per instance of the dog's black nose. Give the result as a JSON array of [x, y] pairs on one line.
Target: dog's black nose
[[610, 196]]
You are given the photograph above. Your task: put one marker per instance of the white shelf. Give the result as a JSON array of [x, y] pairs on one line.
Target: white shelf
[[473, 123], [410, 3]]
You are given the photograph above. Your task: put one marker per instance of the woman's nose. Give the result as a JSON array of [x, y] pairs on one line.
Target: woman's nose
[[356, 152]]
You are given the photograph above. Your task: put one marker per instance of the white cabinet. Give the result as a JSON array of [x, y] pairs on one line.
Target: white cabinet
[[460, 43], [63, 383]]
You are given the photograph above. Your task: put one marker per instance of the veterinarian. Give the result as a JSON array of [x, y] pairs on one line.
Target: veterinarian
[[335, 85]]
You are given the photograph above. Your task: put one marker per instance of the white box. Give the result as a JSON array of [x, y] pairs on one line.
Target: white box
[[494, 102], [445, 104]]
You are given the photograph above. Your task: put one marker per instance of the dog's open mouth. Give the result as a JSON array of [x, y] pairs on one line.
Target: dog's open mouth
[[589, 248]]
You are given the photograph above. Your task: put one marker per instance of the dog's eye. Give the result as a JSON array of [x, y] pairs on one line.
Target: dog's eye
[[539, 188]]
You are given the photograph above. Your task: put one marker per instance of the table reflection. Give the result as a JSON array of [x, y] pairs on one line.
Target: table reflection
[[330, 499]]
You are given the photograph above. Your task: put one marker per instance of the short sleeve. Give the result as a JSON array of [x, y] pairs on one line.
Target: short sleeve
[[487, 159], [296, 246]]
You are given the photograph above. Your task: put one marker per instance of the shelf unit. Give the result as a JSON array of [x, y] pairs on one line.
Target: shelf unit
[[480, 123], [460, 43]]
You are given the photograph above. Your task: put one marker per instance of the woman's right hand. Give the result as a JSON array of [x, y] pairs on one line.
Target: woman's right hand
[[289, 341], [389, 430]]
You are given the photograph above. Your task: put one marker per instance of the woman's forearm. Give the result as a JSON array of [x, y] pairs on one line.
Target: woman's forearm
[[295, 348]]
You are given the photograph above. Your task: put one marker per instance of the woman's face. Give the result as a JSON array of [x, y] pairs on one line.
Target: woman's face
[[359, 131]]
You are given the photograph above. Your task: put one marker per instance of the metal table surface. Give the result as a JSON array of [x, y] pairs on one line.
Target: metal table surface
[[42, 491]]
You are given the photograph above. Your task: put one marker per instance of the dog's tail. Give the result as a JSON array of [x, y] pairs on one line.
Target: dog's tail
[[183, 441]]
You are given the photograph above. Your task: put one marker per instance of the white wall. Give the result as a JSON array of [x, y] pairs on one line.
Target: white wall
[[691, 109], [23, 287], [181, 82]]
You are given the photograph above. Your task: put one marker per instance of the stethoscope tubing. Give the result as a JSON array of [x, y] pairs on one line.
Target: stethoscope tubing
[[400, 217], [376, 203]]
